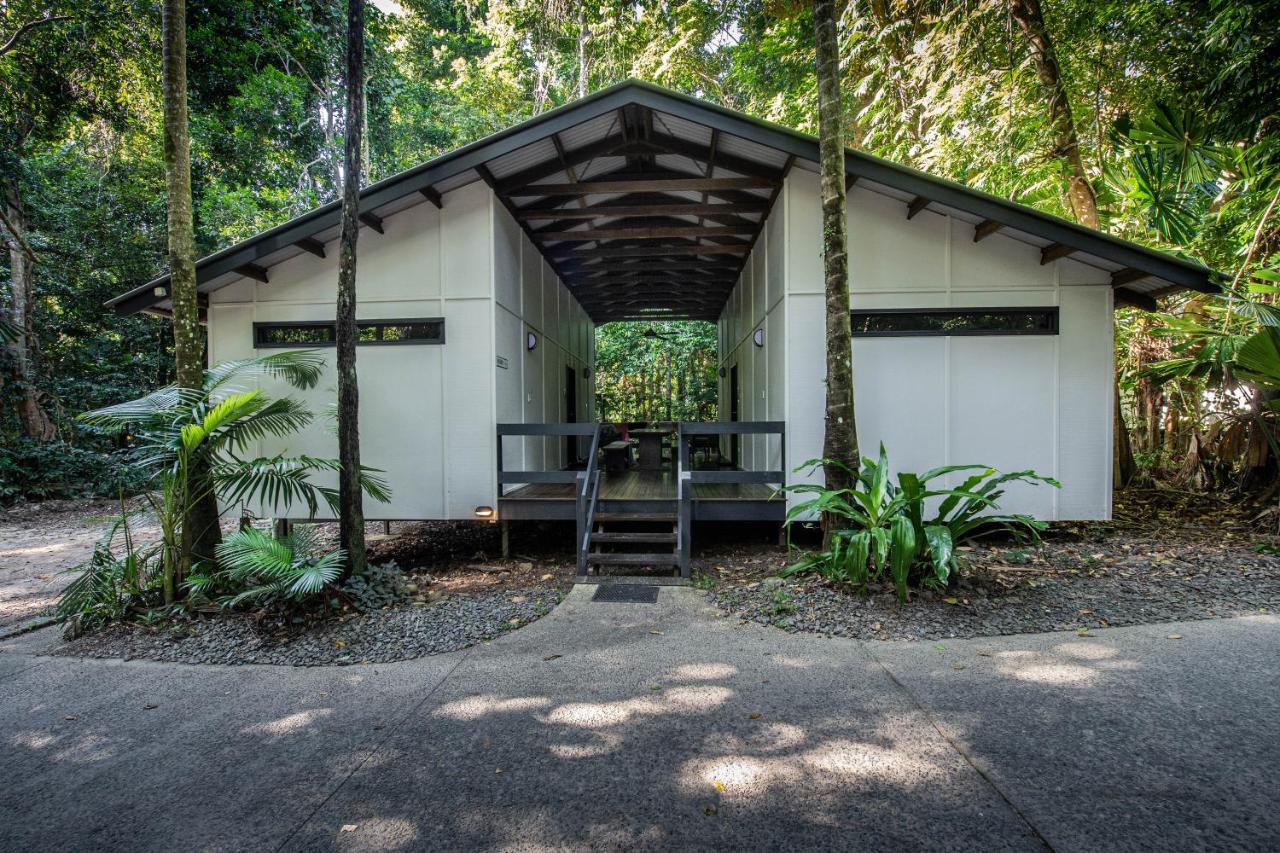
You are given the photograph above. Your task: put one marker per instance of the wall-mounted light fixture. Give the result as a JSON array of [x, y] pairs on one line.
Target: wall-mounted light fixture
[[758, 337], [722, 373], [484, 512], [586, 373], [531, 341]]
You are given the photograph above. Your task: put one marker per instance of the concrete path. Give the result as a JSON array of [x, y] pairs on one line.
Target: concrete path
[[660, 727]]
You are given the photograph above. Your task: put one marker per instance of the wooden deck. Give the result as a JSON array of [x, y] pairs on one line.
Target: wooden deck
[[644, 486], [634, 489]]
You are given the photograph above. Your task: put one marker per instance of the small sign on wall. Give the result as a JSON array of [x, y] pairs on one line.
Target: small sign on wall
[[502, 362]]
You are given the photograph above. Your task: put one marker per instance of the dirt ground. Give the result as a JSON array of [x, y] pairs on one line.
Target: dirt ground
[[1152, 529]]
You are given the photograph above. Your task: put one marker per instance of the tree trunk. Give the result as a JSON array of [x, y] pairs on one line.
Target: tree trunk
[[1080, 194], [200, 526], [840, 443], [36, 423], [1122, 465], [351, 508], [583, 35], [1084, 203]]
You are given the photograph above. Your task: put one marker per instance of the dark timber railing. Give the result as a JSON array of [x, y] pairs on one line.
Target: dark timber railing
[[686, 477], [586, 483]]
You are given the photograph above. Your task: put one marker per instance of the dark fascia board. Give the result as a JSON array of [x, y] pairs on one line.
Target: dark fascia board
[[857, 164]]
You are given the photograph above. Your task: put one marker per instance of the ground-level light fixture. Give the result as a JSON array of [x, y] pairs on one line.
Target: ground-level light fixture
[[531, 341], [758, 337], [484, 512]]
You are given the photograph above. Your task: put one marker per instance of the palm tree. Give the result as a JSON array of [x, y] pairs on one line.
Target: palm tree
[[179, 432]]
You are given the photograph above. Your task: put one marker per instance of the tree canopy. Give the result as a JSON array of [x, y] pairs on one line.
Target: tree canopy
[[1173, 102]]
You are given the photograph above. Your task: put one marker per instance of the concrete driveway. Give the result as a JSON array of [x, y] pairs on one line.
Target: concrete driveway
[[660, 727]]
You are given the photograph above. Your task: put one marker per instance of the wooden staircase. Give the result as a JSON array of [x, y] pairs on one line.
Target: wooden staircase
[[636, 540]]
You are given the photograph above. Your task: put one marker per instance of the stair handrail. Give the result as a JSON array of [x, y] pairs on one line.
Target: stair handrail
[[684, 501], [588, 493]]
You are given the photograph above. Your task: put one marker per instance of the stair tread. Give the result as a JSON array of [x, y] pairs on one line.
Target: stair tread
[[630, 536], [636, 516], [634, 559]]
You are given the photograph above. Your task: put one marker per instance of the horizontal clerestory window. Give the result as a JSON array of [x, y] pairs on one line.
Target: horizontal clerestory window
[[323, 333], [907, 322]]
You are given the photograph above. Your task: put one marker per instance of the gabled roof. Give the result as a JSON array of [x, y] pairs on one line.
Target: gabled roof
[[647, 203]]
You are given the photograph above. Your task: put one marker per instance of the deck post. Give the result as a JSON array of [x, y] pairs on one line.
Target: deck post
[[506, 537], [685, 525]]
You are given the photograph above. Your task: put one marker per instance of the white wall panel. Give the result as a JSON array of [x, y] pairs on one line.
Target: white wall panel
[[507, 240], [1085, 391], [470, 455], [466, 243], [1002, 411], [889, 252]]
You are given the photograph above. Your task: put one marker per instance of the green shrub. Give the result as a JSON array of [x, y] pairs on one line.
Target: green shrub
[[113, 583], [58, 469], [377, 588], [886, 526]]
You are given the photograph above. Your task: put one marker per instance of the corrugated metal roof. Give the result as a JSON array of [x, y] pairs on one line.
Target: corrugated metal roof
[[684, 127]]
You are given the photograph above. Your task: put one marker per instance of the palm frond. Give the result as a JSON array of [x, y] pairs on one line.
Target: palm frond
[[300, 368]]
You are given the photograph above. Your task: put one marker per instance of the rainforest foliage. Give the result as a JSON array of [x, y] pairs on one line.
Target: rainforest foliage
[[1166, 109]]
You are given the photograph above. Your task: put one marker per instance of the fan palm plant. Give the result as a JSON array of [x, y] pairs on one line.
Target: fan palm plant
[[255, 568], [178, 431]]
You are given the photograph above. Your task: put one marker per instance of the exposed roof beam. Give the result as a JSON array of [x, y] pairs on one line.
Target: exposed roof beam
[[676, 208], [1053, 251], [430, 194], [706, 154], [653, 278], [656, 185], [253, 271], [916, 205], [606, 271], [1137, 300], [373, 221], [641, 233], [576, 157], [315, 247], [985, 229], [1128, 275], [652, 251]]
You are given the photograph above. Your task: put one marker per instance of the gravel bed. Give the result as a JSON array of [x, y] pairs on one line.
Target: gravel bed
[[381, 637], [1128, 593]]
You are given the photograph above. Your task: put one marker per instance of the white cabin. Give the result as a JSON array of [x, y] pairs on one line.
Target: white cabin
[[982, 329]]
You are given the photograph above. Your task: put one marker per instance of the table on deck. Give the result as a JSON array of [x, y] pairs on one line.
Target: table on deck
[[650, 447]]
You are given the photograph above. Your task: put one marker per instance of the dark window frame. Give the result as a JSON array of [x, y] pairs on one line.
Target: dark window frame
[[1049, 311], [362, 325]]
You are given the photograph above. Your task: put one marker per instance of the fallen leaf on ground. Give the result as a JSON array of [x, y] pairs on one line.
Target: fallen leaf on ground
[[719, 786], [755, 715], [70, 717], [551, 657], [659, 633], [1174, 637], [349, 827], [149, 707]]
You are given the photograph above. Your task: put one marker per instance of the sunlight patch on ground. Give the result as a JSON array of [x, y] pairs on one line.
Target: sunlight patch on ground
[[675, 700], [475, 707], [705, 671], [831, 763], [289, 724], [32, 740]]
